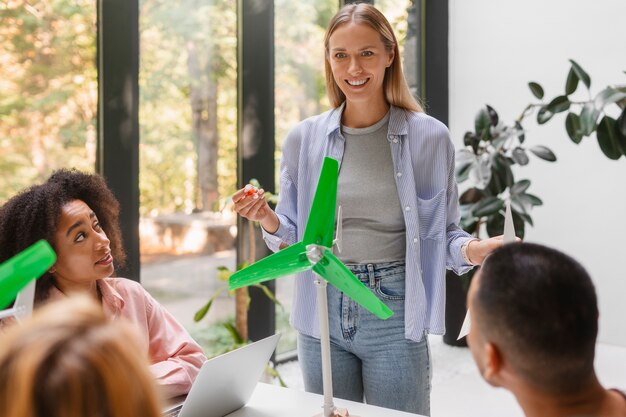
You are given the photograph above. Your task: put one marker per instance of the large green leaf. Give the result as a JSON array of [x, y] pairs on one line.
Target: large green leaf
[[543, 152], [608, 96], [559, 104], [544, 115], [335, 272], [520, 186], [573, 128], [588, 118], [607, 138], [501, 174], [536, 89], [519, 156], [488, 206], [493, 115], [320, 227], [21, 269], [482, 124], [471, 195], [572, 82], [580, 72]]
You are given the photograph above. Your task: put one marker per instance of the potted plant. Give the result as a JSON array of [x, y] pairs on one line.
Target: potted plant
[[494, 147]]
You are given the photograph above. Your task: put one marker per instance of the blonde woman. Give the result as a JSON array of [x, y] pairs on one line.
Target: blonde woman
[[70, 361], [400, 218]]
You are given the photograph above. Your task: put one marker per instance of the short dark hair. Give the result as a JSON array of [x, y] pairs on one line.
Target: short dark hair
[[34, 213], [540, 305]]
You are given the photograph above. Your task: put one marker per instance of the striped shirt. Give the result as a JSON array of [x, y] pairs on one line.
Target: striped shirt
[[423, 160]]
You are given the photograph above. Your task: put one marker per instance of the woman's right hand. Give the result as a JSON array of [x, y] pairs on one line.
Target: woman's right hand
[[249, 202]]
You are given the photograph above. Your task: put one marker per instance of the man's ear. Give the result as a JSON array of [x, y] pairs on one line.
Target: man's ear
[[493, 363]]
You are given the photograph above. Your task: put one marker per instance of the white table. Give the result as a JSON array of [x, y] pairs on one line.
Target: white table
[[274, 401]]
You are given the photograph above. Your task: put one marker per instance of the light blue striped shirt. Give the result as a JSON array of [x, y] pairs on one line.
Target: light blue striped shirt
[[423, 160]]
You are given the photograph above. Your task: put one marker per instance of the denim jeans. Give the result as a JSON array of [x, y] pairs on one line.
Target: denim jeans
[[370, 357]]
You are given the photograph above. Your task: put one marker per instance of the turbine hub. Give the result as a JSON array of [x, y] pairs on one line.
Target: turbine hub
[[314, 253]]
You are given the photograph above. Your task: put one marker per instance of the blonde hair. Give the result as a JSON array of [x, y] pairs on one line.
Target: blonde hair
[[69, 361], [396, 90]]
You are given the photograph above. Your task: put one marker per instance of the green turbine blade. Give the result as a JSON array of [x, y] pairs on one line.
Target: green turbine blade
[[321, 224], [24, 267], [288, 261], [334, 271]]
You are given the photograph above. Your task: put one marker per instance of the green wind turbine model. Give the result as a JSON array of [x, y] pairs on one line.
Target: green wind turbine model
[[314, 252], [17, 278]]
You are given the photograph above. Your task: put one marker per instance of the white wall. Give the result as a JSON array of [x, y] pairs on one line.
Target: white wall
[[496, 47]]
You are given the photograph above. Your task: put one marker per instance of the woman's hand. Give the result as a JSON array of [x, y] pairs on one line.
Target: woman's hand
[[477, 250], [249, 202]]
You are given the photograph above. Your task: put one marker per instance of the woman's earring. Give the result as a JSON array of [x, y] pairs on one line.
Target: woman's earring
[[52, 270]]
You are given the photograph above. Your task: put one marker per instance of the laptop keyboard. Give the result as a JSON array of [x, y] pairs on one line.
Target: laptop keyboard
[[173, 412]]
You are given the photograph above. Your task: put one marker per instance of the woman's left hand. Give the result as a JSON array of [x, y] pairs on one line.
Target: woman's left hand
[[477, 250]]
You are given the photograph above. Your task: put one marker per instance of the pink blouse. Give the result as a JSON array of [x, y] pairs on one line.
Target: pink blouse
[[175, 357]]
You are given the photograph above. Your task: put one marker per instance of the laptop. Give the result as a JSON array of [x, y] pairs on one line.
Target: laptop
[[226, 382]]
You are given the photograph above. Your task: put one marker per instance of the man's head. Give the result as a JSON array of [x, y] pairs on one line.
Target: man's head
[[534, 318]]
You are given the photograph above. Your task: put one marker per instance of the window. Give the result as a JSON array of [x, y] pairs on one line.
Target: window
[[187, 115], [48, 85]]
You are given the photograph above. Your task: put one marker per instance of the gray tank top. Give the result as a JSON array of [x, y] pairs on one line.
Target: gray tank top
[[373, 223]]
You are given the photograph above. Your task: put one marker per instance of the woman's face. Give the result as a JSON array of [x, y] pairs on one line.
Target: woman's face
[[83, 249], [358, 60]]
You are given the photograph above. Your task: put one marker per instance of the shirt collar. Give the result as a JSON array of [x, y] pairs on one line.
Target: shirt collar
[[111, 298], [398, 124]]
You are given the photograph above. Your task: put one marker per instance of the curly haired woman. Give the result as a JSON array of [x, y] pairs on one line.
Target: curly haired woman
[[78, 215]]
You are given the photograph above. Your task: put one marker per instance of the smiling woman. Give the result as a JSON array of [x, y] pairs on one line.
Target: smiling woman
[[78, 215], [398, 239]]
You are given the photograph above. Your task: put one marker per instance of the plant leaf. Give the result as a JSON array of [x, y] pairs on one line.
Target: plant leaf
[[536, 89], [488, 206], [544, 114], [558, 104], [234, 334], [543, 152], [519, 187], [493, 115], [519, 156], [269, 294], [607, 138], [621, 122], [223, 273], [471, 196], [572, 126], [588, 118], [581, 74], [462, 172], [572, 82], [482, 123], [608, 96], [533, 199], [203, 311]]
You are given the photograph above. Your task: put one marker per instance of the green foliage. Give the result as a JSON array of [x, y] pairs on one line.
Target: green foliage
[[493, 148]]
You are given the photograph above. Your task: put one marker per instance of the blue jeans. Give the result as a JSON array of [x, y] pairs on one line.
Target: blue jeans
[[371, 357]]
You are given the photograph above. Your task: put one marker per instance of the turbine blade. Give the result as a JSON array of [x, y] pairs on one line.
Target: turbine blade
[[334, 271], [319, 227], [287, 261], [24, 267]]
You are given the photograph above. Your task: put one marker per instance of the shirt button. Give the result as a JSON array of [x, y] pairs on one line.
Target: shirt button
[[414, 240], [408, 208], [399, 174], [395, 140]]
